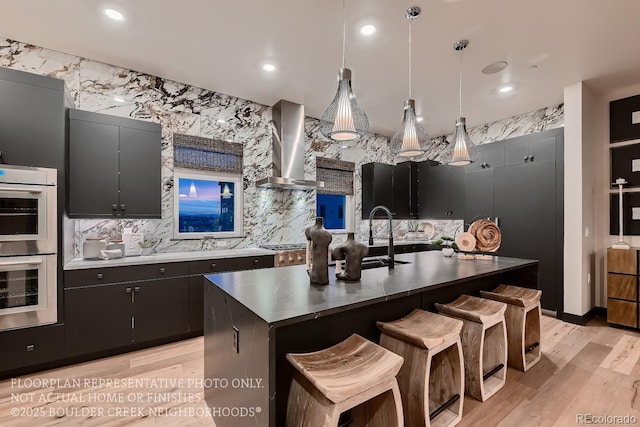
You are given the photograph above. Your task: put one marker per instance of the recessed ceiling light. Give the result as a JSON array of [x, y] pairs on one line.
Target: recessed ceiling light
[[114, 14], [118, 99], [495, 67], [420, 119], [269, 67], [505, 89], [367, 30]]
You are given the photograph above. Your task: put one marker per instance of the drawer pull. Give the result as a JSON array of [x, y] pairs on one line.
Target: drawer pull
[[162, 270], [255, 261], [100, 276], [213, 266], [31, 347]]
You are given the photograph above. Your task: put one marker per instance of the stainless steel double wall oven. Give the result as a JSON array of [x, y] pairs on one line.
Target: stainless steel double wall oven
[[28, 246]]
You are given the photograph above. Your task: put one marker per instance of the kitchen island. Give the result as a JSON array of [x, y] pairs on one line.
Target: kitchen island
[[253, 318]]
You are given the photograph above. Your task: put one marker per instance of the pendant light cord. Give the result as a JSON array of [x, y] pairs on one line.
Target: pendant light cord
[[410, 58], [461, 53], [344, 30]]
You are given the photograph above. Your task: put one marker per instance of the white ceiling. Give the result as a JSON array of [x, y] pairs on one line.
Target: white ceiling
[[221, 45]]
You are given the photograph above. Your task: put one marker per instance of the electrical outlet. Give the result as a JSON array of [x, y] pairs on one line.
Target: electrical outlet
[[236, 340]]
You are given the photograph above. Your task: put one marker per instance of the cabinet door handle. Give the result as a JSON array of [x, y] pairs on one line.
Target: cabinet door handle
[[31, 347], [213, 265], [99, 276], [114, 207], [163, 270], [136, 289], [128, 290], [526, 158], [531, 158], [122, 207], [255, 261]]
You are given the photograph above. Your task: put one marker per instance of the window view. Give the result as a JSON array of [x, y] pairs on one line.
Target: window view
[[207, 206], [332, 208]]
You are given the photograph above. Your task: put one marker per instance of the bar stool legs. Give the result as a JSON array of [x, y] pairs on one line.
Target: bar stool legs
[[523, 323], [484, 343], [431, 379]]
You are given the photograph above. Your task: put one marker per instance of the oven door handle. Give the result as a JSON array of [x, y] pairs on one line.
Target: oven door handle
[[22, 190], [12, 263]]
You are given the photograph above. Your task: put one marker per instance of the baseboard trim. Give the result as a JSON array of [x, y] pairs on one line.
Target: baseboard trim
[[585, 318]]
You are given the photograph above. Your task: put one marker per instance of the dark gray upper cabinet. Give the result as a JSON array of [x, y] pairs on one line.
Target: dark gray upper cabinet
[[114, 167], [530, 149], [489, 157], [479, 195], [393, 186], [442, 191], [377, 188]]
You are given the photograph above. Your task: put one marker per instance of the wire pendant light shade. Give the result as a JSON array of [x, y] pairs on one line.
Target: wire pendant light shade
[[464, 150], [411, 139], [344, 120]]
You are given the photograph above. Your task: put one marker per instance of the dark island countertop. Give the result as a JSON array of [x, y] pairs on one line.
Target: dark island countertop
[[282, 296]]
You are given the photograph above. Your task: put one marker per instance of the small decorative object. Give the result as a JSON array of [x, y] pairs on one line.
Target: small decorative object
[[318, 240], [92, 246], [466, 243], [487, 234], [412, 230], [621, 244], [146, 246], [448, 251], [353, 252]]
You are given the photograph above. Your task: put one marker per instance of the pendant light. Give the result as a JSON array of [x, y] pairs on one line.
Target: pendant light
[[411, 139], [344, 121], [226, 193], [464, 150]]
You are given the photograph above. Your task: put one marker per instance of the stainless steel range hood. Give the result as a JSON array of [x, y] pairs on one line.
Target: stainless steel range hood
[[288, 149]]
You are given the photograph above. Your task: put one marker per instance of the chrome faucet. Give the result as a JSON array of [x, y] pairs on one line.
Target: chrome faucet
[[390, 216]]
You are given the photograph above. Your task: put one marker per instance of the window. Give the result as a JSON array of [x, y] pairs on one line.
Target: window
[[333, 208], [207, 204], [334, 202]]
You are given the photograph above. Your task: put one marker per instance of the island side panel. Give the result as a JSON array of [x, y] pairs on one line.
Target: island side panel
[[237, 384]]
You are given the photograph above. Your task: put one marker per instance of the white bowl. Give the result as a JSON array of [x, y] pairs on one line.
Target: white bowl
[[447, 251]]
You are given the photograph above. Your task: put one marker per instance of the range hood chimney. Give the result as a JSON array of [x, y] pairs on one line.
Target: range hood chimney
[[288, 149]]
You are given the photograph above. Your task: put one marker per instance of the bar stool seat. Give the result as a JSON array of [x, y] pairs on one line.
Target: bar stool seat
[[342, 377], [523, 323], [484, 343], [431, 379]]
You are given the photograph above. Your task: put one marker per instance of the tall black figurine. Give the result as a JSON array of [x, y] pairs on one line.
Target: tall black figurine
[[318, 258]]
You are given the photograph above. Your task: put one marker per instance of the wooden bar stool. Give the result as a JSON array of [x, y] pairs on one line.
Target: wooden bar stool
[[431, 379], [355, 374], [523, 323], [484, 343]]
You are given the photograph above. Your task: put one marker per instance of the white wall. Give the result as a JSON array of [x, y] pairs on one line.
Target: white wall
[[578, 199]]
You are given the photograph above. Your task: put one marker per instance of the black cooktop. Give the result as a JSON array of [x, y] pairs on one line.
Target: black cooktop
[[284, 246]]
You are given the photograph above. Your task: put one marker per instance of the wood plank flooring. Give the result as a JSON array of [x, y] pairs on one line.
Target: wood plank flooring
[[591, 370]]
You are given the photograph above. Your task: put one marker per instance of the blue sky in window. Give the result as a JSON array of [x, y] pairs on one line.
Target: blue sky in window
[[199, 197]]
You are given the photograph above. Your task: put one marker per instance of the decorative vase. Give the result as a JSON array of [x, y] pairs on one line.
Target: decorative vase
[[318, 240], [354, 252]]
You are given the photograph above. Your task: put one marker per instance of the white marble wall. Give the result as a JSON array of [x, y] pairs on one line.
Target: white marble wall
[[271, 215]]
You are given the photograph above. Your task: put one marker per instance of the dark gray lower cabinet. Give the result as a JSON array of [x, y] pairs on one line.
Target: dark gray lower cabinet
[[31, 346], [99, 318]]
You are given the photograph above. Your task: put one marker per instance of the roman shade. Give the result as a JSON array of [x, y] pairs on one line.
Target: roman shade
[[336, 174], [196, 152]]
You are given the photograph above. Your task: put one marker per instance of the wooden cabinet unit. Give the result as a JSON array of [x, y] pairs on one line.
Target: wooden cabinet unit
[[622, 287]]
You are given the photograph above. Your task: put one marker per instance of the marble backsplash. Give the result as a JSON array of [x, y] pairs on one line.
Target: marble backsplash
[[270, 215]]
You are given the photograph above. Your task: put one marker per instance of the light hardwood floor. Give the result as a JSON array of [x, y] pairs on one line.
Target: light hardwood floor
[[584, 370]]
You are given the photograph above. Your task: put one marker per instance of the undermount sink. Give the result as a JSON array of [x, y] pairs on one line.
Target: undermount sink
[[375, 263], [381, 262]]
